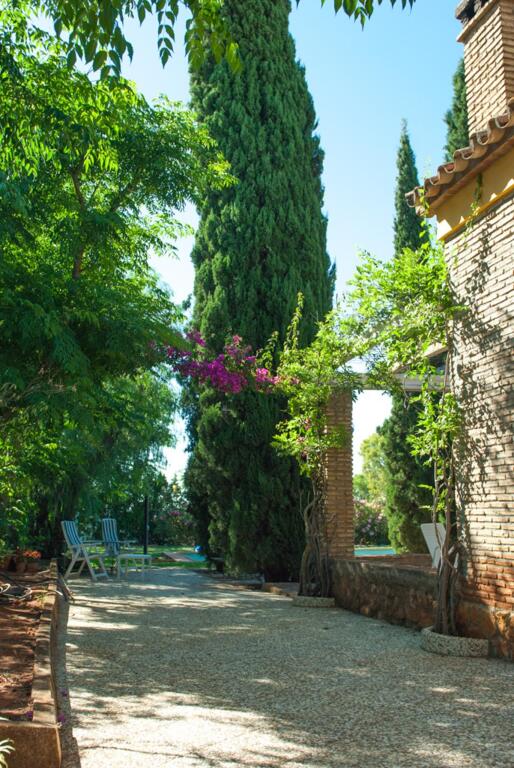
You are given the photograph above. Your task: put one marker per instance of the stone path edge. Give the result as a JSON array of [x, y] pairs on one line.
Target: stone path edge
[[41, 735]]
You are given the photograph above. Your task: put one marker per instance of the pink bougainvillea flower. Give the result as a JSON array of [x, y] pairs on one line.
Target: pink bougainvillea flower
[[196, 337], [230, 372]]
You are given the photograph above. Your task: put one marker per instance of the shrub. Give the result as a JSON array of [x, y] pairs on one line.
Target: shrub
[[174, 526], [370, 524]]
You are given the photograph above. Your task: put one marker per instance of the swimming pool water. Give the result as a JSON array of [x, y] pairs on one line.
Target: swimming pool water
[[370, 552]]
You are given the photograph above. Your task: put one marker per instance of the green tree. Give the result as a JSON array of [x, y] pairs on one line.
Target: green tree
[[394, 312], [407, 224], [409, 481], [456, 118], [83, 201], [407, 503], [371, 484], [258, 244], [95, 31]]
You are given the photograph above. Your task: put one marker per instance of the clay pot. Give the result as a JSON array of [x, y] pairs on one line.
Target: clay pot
[[21, 565], [32, 566]]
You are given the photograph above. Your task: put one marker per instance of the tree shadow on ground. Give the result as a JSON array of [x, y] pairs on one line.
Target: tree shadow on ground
[[197, 674]]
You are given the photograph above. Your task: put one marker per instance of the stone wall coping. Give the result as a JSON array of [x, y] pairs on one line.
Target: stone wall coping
[[390, 572], [417, 562]]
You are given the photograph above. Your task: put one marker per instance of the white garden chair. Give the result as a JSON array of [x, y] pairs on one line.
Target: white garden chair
[[434, 538], [115, 548], [80, 551]]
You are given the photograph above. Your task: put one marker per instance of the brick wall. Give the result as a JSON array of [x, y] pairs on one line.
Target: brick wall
[[481, 263], [489, 61], [339, 488]]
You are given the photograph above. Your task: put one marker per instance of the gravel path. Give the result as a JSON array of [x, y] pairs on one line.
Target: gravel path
[[185, 672]]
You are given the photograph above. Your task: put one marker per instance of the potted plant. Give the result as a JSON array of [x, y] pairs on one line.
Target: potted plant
[[32, 560]]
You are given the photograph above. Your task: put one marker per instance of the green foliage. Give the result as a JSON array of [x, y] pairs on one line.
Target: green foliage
[[393, 314], [309, 376], [371, 484], [407, 223], [456, 118], [370, 524], [91, 176], [408, 494], [362, 10], [94, 32], [398, 309], [409, 481], [123, 497], [170, 521], [258, 244]]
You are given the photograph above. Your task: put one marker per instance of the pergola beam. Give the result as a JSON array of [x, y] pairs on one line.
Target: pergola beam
[[407, 383]]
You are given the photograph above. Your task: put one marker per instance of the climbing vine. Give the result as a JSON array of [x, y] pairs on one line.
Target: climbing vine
[[309, 377], [397, 317], [394, 317]]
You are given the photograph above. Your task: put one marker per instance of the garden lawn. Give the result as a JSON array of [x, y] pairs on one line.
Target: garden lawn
[[160, 561], [184, 671]]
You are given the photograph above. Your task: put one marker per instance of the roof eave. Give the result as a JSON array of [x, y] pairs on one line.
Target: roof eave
[[485, 147]]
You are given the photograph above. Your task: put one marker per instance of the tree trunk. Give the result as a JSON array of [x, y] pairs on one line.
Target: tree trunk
[[314, 570]]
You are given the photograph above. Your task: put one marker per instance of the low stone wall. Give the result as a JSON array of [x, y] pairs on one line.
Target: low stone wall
[[400, 589], [37, 742]]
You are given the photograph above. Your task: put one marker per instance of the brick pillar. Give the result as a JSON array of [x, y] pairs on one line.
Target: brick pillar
[[340, 514]]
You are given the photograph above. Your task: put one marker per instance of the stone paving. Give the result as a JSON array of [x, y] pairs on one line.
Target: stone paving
[[181, 671]]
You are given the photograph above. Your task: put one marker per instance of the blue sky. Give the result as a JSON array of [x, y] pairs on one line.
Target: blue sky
[[363, 84]]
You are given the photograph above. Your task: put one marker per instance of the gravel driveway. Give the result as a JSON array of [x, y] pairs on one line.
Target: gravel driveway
[[182, 671]]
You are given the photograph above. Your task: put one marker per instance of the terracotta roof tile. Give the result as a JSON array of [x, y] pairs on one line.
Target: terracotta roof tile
[[485, 146]]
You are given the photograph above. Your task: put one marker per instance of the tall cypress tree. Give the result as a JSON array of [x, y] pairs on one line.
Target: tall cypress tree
[[456, 118], [259, 243], [407, 504], [407, 223]]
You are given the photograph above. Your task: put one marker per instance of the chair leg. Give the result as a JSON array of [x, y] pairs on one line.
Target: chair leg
[[90, 567], [102, 566], [82, 564], [72, 563]]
